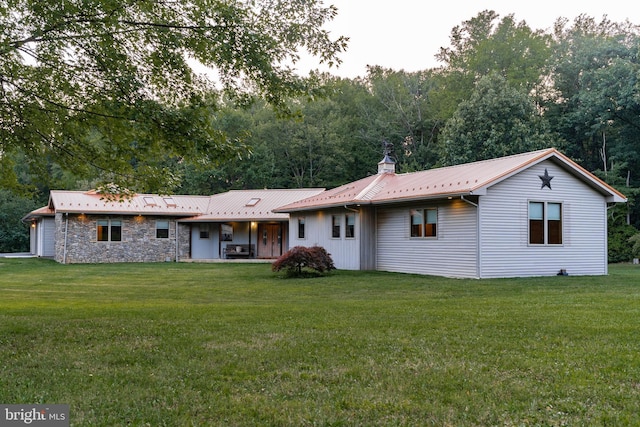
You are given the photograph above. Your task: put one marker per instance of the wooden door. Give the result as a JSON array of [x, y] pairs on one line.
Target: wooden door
[[269, 240]]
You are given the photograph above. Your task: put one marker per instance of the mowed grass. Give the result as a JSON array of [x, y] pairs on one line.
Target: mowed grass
[[236, 345]]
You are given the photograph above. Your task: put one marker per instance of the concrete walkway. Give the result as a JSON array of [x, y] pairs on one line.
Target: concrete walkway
[[17, 255]]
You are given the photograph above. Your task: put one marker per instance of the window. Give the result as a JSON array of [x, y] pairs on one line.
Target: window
[[545, 223], [253, 202], [109, 230], [416, 223], [149, 201], [424, 222], [162, 229], [204, 231], [300, 228], [350, 227], [335, 226]]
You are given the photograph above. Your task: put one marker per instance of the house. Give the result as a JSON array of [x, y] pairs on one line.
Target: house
[[531, 214], [86, 227]]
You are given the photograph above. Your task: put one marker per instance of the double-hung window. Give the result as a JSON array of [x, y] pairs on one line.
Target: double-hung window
[[545, 223], [335, 226], [424, 222], [301, 228], [162, 229], [350, 226], [109, 230]]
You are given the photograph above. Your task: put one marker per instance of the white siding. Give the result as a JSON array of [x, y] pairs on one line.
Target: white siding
[[344, 252], [46, 235], [205, 248], [452, 253], [505, 251]]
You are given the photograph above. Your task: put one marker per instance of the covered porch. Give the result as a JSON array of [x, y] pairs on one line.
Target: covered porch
[[238, 240]]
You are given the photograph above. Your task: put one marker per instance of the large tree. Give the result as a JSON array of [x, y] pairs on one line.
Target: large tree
[[109, 87], [486, 44], [405, 115], [498, 120]]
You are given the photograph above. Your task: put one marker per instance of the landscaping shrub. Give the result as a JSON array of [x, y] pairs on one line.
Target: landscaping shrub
[[299, 259]]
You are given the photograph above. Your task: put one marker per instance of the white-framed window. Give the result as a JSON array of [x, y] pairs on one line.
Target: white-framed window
[[109, 230], [301, 227], [205, 231], [162, 229], [350, 226], [335, 226], [424, 222], [545, 223]]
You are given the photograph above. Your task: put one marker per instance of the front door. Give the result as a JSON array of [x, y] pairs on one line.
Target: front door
[[269, 240]]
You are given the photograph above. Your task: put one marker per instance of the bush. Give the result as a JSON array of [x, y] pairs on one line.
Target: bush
[[299, 259], [620, 247]]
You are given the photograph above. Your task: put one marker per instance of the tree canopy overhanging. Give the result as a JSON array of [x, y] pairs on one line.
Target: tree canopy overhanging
[[108, 86]]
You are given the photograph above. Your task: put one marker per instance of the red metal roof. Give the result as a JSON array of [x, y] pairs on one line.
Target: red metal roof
[[251, 205], [467, 179], [91, 202], [243, 205]]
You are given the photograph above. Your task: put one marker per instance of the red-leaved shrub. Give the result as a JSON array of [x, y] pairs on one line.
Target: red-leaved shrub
[[299, 258]]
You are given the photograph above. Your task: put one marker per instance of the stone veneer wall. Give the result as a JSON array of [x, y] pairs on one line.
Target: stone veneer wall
[[139, 242]]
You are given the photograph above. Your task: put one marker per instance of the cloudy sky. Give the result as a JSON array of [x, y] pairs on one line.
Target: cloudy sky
[[407, 34]]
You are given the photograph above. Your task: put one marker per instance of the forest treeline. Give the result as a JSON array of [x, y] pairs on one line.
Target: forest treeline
[[502, 88]]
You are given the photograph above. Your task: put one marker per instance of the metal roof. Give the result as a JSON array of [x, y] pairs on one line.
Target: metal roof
[[251, 205], [40, 212], [467, 179], [91, 202], [238, 205]]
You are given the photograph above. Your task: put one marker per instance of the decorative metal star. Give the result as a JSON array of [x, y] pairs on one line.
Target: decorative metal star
[[546, 179]]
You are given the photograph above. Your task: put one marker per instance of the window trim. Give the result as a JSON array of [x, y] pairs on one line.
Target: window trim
[[423, 227], [336, 225], [349, 230], [158, 229], [204, 230], [302, 226], [546, 230], [110, 225]]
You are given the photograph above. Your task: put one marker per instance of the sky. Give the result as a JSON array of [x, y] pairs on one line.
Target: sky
[[407, 34]]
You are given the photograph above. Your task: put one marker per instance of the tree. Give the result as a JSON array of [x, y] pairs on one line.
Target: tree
[[496, 121], [406, 114], [14, 235], [483, 45], [594, 103], [109, 87], [595, 87]]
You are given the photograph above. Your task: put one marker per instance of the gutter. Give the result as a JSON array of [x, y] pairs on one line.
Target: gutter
[[177, 240], [66, 230]]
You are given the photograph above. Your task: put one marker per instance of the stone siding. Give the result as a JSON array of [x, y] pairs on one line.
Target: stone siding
[[77, 242]]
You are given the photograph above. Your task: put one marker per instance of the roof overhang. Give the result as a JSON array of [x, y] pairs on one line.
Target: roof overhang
[[384, 202]]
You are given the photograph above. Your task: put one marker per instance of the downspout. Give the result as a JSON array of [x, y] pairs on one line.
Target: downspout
[[478, 249], [177, 241], [66, 230], [468, 201]]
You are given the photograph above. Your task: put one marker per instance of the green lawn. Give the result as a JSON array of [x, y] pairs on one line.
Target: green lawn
[[235, 344]]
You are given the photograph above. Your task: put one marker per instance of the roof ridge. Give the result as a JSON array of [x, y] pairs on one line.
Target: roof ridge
[[374, 187], [528, 153]]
